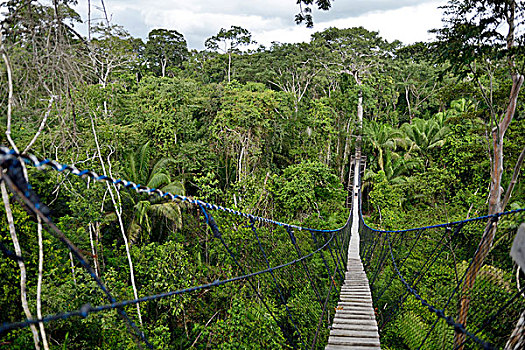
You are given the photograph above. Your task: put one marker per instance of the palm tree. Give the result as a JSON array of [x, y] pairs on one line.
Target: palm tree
[[397, 169], [383, 138], [425, 135], [156, 176]]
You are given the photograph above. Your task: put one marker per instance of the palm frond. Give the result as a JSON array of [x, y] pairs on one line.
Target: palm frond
[[158, 180], [170, 211]]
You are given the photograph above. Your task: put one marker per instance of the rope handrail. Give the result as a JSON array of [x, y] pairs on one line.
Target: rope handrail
[[338, 238], [439, 312], [88, 309], [448, 224], [10, 160], [444, 252], [7, 153]]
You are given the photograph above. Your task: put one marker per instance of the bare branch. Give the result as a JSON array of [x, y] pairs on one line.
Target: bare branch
[[21, 265], [514, 179], [39, 283], [10, 92], [42, 125]]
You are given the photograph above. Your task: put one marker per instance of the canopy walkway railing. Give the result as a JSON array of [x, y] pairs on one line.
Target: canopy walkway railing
[[417, 277], [289, 275]]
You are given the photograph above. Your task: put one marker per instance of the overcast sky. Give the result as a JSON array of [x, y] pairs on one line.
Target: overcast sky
[[269, 20]]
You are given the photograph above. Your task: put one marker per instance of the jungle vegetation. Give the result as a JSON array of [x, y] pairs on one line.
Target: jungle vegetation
[[268, 131]]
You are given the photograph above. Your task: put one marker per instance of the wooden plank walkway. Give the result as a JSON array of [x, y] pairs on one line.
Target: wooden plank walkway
[[354, 325]]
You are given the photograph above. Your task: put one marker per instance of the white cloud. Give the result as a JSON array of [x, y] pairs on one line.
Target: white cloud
[[272, 20]]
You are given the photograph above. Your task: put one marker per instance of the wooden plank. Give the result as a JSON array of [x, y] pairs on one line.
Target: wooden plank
[[353, 341], [360, 333], [354, 321], [344, 347], [354, 325]]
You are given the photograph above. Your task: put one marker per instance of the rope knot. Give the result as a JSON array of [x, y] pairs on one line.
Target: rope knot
[[214, 227], [85, 310], [290, 233]]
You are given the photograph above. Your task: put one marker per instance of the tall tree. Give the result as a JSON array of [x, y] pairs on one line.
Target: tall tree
[[293, 69], [228, 41], [112, 49], [356, 52], [473, 41], [480, 36], [166, 48]]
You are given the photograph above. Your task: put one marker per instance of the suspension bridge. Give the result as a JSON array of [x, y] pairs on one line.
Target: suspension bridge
[[417, 288]]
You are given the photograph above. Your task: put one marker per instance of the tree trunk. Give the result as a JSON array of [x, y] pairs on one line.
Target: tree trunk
[[93, 249], [360, 104], [346, 151], [407, 98], [118, 212], [514, 179], [21, 265], [229, 65], [163, 64], [498, 135], [239, 165], [470, 278], [487, 239], [39, 283]]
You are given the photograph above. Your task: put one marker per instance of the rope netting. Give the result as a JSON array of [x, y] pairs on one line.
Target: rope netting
[[418, 282], [282, 279]]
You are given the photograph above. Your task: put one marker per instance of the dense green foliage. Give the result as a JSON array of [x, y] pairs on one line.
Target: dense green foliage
[[269, 132]]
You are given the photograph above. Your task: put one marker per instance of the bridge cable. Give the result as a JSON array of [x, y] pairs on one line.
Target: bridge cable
[[277, 285], [440, 313], [78, 255]]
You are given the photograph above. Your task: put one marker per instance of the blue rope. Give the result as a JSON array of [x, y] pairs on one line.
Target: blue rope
[[216, 232], [336, 262], [491, 319], [76, 253], [401, 265], [277, 285], [87, 309], [433, 256], [340, 264], [307, 271], [382, 258], [492, 216], [322, 257], [458, 327], [6, 153]]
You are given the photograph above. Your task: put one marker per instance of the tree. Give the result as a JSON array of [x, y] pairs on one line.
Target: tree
[[383, 138], [165, 48], [305, 12], [355, 52], [111, 50], [425, 135], [243, 124], [418, 79], [293, 69], [474, 43], [157, 176], [227, 41]]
